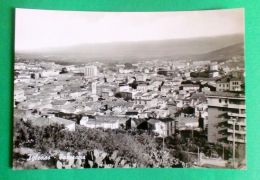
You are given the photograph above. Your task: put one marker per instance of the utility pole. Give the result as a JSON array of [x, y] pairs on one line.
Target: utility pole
[[163, 141], [198, 156], [188, 142], [192, 133], [234, 143], [163, 134], [95, 122], [223, 151]]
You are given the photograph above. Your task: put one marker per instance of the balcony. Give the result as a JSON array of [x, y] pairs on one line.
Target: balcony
[[236, 131], [241, 123], [237, 106], [237, 140], [236, 115]]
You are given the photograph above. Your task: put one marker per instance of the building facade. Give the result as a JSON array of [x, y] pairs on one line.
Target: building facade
[[230, 84], [91, 71], [227, 119]]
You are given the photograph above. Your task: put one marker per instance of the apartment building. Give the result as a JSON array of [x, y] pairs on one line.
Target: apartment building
[[227, 119], [91, 71]]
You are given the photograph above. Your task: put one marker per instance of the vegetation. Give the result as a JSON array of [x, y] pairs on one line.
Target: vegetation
[[186, 142], [132, 146]]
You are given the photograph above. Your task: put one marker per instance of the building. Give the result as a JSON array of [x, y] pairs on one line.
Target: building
[[91, 71], [68, 124], [141, 77], [105, 122], [49, 73], [186, 122], [94, 88], [132, 114], [191, 87], [236, 84], [143, 87], [161, 113], [223, 85], [165, 89], [146, 99], [163, 127], [124, 88], [229, 84], [213, 66], [19, 95], [227, 119]]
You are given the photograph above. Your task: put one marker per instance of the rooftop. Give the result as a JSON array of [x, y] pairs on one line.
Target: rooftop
[[153, 121], [47, 121], [190, 85], [225, 94]]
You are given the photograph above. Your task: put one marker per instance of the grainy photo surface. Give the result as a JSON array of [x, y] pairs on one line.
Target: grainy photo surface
[[129, 89]]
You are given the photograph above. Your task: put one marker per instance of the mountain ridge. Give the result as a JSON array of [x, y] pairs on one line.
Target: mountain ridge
[[194, 48]]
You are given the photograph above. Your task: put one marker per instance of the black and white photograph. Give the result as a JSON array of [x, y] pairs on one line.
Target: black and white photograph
[[129, 89]]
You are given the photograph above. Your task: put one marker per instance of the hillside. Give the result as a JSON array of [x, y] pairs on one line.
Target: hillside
[[192, 48], [226, 52]]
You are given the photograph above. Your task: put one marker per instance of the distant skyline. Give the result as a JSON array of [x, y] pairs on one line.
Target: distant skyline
[[46, 29]]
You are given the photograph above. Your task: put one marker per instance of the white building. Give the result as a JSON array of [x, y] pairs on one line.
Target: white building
[[213, 67], [50, 73], [19, 95], [94, 88], [91, 71], [163, 127], [191, 87]]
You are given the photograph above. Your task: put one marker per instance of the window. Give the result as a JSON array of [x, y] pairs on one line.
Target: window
[[219, 100]]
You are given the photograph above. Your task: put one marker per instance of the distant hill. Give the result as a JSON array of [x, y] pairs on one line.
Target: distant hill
[[202, 48], [236, 49], [220, 54]]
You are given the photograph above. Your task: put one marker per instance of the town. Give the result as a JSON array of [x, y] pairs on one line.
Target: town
[[163, 99]]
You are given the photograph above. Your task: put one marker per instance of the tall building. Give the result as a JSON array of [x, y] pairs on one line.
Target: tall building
[[91, 71], [94, 88], [227, 119]]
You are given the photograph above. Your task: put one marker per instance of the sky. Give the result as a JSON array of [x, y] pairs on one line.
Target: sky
[[45, 29]]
